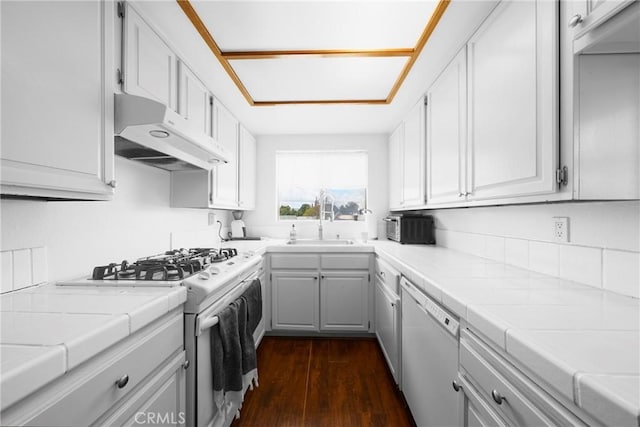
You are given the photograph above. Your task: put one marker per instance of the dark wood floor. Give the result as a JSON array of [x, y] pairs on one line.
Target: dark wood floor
[[323, 382]]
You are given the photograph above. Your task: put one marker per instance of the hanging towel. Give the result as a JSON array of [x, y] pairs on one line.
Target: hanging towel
[[247, 346], [253, 296], [226, 359]]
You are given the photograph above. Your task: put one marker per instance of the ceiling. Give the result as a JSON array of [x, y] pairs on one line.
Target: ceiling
[[315, 52], [309, 67]]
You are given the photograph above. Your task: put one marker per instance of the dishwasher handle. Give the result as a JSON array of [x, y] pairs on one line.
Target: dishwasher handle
[[446, 321]]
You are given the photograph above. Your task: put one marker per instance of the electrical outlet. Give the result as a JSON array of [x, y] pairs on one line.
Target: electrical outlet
[[561, 229], [212, 218]]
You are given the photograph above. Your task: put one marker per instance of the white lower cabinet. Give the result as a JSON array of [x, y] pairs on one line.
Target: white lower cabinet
[[320, 292], [344, 301], [295, 300], [496, 390], [474, 411], [387, 324], [142, 374], [160, 402]]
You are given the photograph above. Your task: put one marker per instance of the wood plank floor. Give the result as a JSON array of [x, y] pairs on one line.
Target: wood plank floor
[[323, 382]]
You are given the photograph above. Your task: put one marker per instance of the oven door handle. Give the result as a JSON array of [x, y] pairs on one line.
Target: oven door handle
[[207, 323]]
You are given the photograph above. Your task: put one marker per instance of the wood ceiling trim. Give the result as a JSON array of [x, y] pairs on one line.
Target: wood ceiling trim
[[322, 53], [422, 41], [188, 9], [225, 57], [321, 102]]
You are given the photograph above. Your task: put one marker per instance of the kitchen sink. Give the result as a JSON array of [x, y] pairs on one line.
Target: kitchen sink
[[324, 242]]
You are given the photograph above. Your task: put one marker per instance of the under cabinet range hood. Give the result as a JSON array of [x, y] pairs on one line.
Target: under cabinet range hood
[[150, 132]]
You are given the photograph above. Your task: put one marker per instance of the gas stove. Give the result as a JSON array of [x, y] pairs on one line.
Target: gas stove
[[166, 269]]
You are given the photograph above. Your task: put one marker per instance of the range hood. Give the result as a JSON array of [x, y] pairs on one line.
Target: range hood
[[150, 132]]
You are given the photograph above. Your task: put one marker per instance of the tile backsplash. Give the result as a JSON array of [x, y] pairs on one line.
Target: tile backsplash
[[611, 269], [22, 268]]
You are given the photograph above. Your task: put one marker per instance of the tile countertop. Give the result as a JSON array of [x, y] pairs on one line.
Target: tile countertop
[[581, 340], [48, 330]]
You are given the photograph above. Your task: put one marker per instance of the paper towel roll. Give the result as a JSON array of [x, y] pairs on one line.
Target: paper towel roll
[[372, 225]]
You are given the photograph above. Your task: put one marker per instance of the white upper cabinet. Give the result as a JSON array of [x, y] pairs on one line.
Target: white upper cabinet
[[513, 102], [446, 134], [396, 167], [225, 176], [194, 99], [149, 63], [247, 173], [588, 14], [57, 99], [414, 157], [607, 160]]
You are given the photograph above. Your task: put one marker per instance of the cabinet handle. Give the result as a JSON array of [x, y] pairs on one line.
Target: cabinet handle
[[382, 273], [457, 387], [497, 397], [461, 194], [575, 20], [112, 183], [186, 365], [123, 381]]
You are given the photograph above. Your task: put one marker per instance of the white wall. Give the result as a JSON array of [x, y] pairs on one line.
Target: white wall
[[603, 249], [80, 235], [263, 221]]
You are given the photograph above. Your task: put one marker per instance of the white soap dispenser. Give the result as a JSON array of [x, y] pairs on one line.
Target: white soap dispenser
[[292, 233]]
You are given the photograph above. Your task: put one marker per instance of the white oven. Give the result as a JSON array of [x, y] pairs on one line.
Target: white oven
[[217, 291]]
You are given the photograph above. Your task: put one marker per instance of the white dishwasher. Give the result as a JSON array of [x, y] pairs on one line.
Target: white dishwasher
[[429, 358]]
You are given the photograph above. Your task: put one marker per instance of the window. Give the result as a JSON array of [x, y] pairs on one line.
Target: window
[[314, 183]]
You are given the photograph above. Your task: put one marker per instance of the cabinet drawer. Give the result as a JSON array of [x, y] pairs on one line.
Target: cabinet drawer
[[388, 274], [96, 391], [514, 406], [524, 402], [345, 261], [167, 387], [295, 261]]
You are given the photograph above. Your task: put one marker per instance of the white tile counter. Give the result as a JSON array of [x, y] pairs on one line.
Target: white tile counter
[[48, 330], [581, 340]]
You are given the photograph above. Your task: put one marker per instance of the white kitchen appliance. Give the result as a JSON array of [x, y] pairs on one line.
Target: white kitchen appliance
[[429, 358], [238, 228]]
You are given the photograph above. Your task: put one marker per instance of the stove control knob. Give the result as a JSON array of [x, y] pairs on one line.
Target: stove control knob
[[214, 270], [204, 275]]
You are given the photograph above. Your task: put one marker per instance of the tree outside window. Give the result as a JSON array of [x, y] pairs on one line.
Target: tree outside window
[[331, 184]]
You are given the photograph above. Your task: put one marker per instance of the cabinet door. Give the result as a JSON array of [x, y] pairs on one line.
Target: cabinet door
[[57, 99], [247, 165], [446, 133], [344, 301], [225, 176], [387, 326], [414, 147], [194, 100], [396, 159], [149, 64], [294, 301], [513, 86]]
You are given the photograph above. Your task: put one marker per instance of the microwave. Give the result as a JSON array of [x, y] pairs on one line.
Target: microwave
[[410, 228]]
